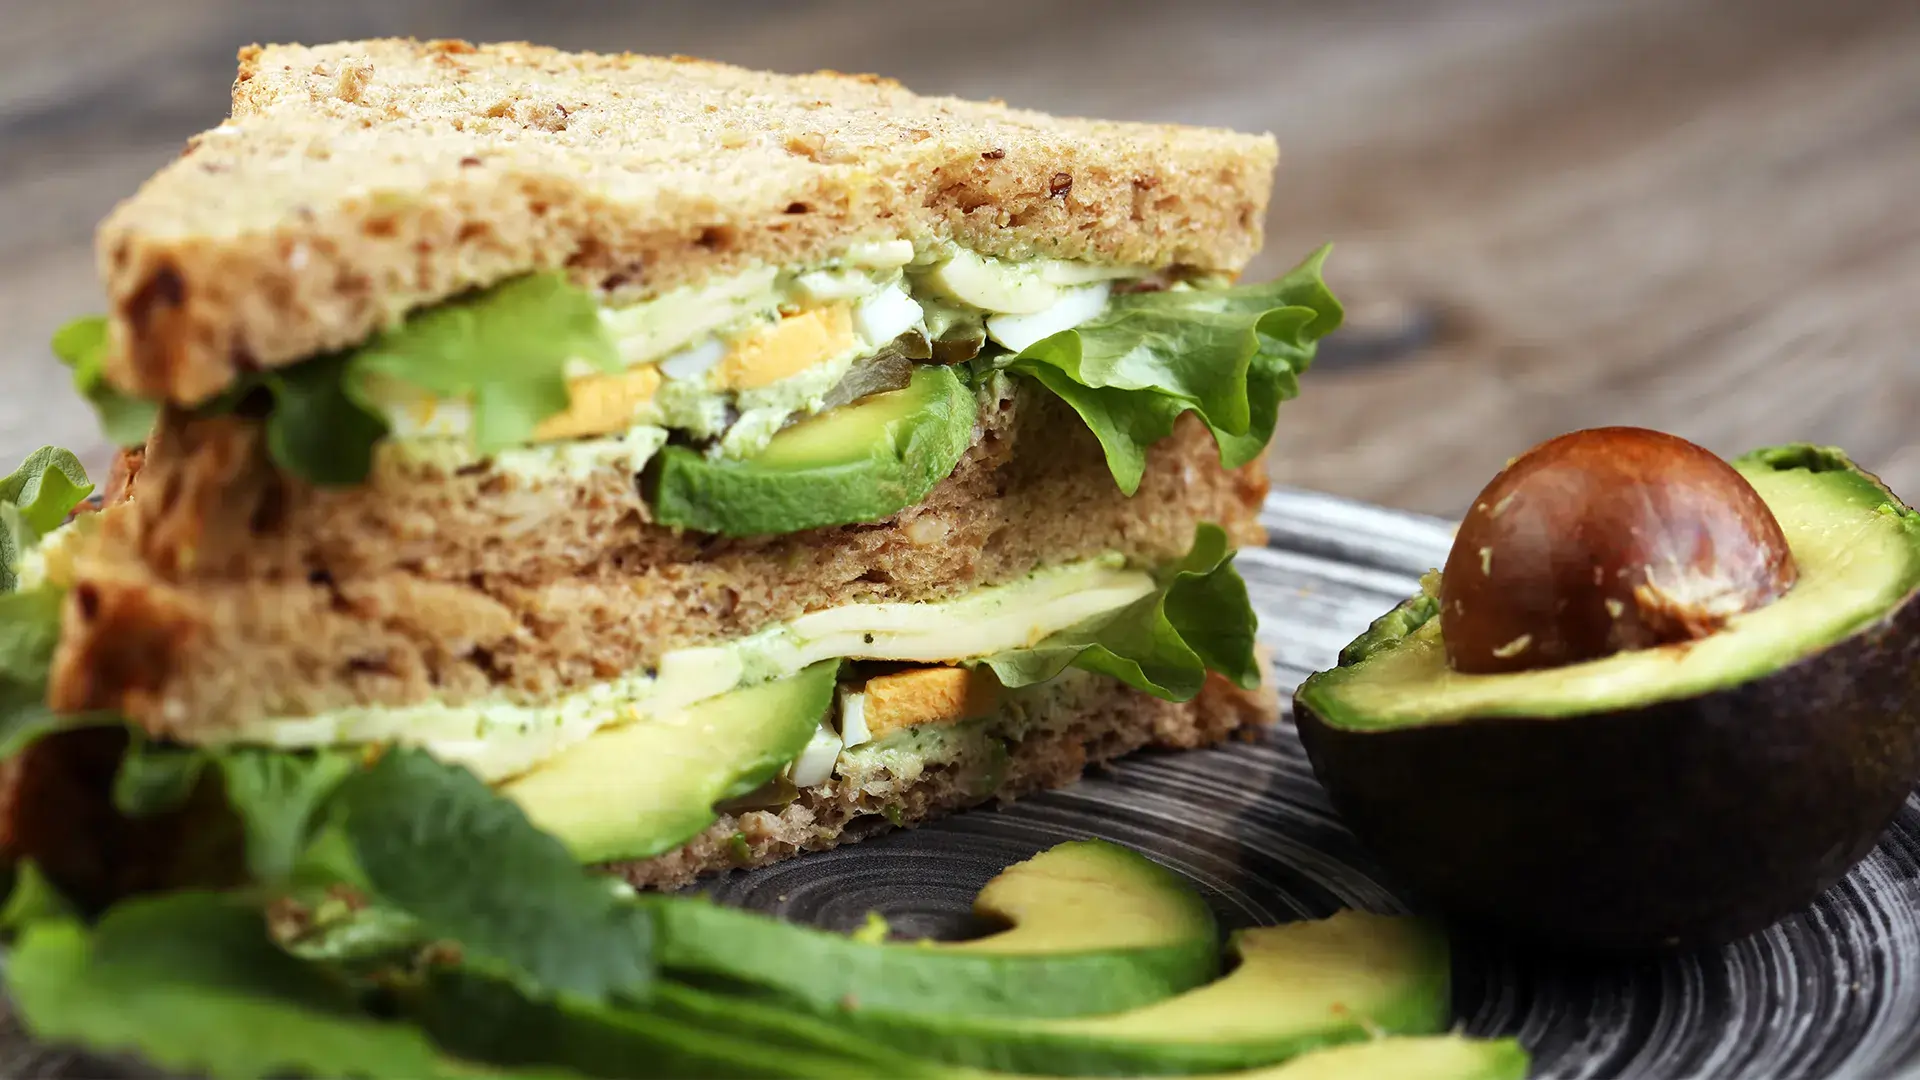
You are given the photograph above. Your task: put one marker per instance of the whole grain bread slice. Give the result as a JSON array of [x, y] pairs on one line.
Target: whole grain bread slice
[[360, 180]]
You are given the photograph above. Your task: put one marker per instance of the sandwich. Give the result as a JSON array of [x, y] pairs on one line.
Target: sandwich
[[715, 465]]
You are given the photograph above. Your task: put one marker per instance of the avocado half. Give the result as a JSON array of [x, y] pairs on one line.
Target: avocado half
[[1682, 795]]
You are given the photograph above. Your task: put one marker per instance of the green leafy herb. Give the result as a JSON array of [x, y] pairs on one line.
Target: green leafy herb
[[1164, 643], [280, 798], [435, 841], [82, 346], [29, 631], [153, 780], [506, 350], [1229, 355], [191, 982], [32, 899], [34, 500], [46, 487], [316, 429]]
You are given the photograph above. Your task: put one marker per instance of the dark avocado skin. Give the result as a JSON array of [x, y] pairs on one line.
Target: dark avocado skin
[[1687, 822]]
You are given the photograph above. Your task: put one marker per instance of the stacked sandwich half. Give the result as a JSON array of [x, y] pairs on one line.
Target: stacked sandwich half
[[720, 465]]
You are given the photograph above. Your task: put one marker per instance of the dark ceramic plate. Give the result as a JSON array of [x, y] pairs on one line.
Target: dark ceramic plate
[[1831, 992]]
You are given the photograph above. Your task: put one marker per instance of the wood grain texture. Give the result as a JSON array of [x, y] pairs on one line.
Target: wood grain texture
[[1696, 215]]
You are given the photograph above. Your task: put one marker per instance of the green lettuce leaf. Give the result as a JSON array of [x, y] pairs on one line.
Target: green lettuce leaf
[[34, 500], [505, 350], [32, 898], [315, 428], [191, 982], [1164, 643], [82, 346], [435, 841], [154, 780], [29, 630], [1229, 355], [280, 798]]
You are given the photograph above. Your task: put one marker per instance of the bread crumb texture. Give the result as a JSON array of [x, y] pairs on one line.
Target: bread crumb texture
[[223, 591], [358, 181]]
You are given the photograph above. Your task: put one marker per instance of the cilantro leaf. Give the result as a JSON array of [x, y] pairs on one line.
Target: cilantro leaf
[[82, 346], [434, 840], [191, 982], [1229, 355], [1164, 643]]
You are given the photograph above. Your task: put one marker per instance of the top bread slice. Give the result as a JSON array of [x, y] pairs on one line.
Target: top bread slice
[[358, 181]]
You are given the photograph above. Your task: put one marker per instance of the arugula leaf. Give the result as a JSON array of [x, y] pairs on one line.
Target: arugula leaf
[[434, 840], [1164, 643], [82, 346], [192, 983], [153, 780], [280, 798], [1229, 355]]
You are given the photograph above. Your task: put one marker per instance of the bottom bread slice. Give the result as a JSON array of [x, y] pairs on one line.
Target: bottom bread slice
[[1044, 738]]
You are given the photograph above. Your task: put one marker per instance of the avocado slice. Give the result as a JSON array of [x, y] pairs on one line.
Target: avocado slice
[[1095, 928], [1296, 987], [857, 463], [1433, 1057], [1684, 794], [635, 791]]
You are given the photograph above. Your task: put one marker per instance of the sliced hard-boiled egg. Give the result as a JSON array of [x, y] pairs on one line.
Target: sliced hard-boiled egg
[[991, 285], [931, 695], [821, 286], [602, 404], [785, 348], [881, 254], [815, 764], [1074, 307], [1068, 272], [853, 718], [695, 362], [887, 315], [419, 416]]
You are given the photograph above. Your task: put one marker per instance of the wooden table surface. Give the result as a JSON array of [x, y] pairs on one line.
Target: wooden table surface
[[1686, 214]]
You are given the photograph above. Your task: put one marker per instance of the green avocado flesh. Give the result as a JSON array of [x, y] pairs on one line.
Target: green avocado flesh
[[1094, 928], [1438, 1057], [857, 463], [1296, 987], [1858, 552], [636, 791]]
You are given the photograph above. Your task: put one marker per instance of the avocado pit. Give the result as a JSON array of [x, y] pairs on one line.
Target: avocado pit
[[1608, 788], [1602, 541]]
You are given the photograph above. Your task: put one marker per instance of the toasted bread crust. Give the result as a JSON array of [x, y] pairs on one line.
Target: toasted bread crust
[[360, 180], [225, 592]]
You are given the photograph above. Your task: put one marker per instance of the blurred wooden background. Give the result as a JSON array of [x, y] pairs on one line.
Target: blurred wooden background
[[1695, 215]]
